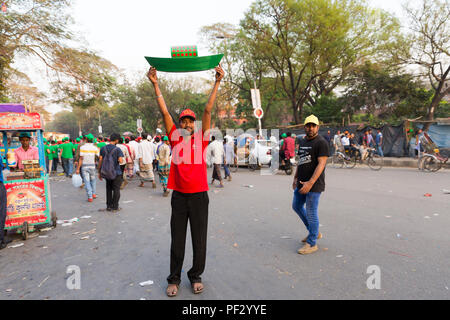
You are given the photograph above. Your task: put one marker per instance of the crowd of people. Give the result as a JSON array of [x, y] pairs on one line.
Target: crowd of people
[[347, 143], [140, 157]]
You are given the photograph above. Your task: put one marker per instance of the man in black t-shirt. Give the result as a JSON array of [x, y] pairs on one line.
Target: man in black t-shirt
[[309, 181], [112, 185]]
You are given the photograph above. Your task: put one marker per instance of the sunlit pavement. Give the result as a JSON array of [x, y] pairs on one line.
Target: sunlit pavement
[[368, 219]]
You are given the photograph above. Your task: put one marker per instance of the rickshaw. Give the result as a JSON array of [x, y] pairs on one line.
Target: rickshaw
[[431, 160], [28, 192]]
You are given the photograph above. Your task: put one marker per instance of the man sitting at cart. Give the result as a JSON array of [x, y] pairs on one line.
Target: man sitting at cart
[[26, 151]]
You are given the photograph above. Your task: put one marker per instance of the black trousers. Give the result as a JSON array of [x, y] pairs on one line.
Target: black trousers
[[113, 192], [2, 210], [193, 208]]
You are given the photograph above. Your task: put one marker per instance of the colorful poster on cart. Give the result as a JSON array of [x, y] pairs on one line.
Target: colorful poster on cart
[[20, 121], [26, 201]]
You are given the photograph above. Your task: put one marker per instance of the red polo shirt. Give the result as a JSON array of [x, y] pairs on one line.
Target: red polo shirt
[[188, 167]]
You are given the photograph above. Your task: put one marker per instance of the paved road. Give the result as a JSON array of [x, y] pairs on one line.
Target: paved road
[[368, 218]]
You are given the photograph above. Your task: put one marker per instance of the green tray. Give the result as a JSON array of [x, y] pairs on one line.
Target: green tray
[[186, 64]]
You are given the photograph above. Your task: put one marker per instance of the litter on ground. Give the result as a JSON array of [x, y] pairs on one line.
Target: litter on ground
[[17, 245], [146, 283]]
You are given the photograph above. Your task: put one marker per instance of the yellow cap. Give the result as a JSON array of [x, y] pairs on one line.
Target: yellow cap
[[312, 119]]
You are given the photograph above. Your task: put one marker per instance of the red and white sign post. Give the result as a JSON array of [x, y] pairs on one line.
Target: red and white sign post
[[258, 111]]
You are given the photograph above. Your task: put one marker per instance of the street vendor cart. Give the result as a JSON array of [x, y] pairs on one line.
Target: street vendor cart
[[28, 190]]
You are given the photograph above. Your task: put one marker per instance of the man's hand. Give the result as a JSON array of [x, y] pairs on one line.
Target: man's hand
[[100, 177], [152, 75], [78, 171], [219, 73], [307, 186], [294, 185]]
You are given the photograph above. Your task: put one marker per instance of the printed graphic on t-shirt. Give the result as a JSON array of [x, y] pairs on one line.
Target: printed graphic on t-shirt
[[304, 155]]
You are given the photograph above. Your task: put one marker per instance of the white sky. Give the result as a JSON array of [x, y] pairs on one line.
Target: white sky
[[126, 31]]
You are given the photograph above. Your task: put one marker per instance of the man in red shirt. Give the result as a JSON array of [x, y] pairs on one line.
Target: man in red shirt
[[288, 148], [189, 183]]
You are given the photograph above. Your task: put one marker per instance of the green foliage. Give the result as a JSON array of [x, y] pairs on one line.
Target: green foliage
[[34, 28], [132, 102], [327, 108], [312, 45]]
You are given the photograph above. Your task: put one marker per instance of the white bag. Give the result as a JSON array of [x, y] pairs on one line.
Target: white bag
[[77, 181]]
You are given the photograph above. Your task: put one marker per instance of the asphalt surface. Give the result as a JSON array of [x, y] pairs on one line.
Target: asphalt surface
[[367, 218]]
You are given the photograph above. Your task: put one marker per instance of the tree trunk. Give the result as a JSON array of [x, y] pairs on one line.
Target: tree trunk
[[295, 112], [431, 111]]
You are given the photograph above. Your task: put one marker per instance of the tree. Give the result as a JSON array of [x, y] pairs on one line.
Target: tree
[[31, 28], [381, 91], [82, 78], [245, 69], [430, 48], [22, 91], [312, 45], [41, 29]]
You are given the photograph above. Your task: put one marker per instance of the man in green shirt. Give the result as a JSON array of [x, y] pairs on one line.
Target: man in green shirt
[[53, 157], [47, 153], [67, 156], [101, 143]]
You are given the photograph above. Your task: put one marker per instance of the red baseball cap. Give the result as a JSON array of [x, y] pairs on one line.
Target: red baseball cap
[[187, 113]]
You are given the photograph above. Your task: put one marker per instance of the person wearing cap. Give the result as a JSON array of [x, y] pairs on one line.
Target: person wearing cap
[[189, 182], [46, 154], [67, 156], [288, 149], [100, 143], [163, 154], [54, 150], [82, 141], [26, 151], [309, 182], [89, 153]]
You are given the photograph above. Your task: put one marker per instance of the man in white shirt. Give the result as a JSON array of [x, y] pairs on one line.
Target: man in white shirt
[[217, 154], [337, 143], [146, 155], [134, 145], [88, 154], [228, 147], [345, 140]]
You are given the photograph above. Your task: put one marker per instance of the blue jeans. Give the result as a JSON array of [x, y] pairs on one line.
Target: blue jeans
[[68, 166], [90, 181], [309, 216], [380, 151], [227, 170]]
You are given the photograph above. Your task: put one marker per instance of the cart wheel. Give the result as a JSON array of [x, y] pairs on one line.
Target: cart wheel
[[25, 231], [54, 219]]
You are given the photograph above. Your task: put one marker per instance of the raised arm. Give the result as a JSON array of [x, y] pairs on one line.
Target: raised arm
[[206, 120], [168, 122]]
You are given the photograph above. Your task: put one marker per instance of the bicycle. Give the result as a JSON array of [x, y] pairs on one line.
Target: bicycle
[[431, 162], [339, 159], [374, 160]]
